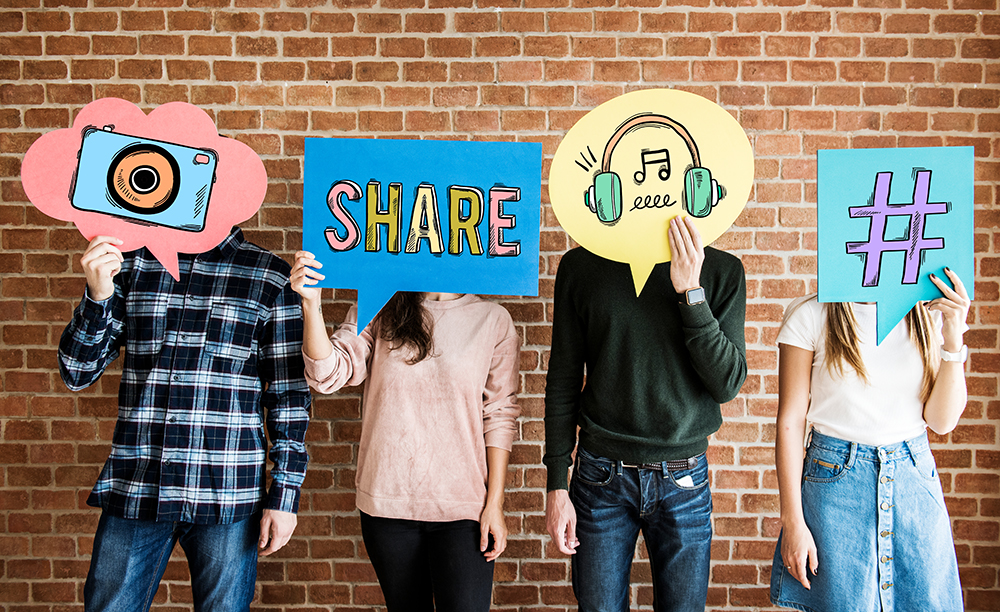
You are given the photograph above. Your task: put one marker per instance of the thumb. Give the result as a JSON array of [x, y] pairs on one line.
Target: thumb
[[484, 536], [265, 532]]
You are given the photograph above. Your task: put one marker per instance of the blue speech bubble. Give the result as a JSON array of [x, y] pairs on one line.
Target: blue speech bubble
[[421, 215], [887, 219]]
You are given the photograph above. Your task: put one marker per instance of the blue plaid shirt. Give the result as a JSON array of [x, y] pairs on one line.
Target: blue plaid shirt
[[209, 360]]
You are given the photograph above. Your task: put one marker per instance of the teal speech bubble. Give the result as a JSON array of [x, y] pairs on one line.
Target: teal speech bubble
[[420, 215], [887, 219]]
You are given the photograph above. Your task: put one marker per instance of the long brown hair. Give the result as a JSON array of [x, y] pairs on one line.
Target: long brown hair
[[842, 342], [404, 321]]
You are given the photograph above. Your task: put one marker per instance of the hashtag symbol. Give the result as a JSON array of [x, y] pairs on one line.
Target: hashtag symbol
[[913, 243]]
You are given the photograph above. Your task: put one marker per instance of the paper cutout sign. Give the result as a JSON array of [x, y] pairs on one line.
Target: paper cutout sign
[[635, 162], [887, 218], [166, 181], [421, 215]]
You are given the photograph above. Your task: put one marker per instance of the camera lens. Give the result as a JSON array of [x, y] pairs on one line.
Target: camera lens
[[144, 179]]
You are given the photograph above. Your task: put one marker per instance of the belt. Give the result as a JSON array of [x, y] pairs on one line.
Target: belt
[[673, 465]]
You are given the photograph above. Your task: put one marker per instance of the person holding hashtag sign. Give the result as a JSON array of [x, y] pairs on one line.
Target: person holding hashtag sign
[[864, 523]]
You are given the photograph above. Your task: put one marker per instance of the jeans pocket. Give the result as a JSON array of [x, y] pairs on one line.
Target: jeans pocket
[[691, 478], [591, 470], [823, 465]]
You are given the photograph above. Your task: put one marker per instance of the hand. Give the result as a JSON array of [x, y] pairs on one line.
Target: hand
[[560, 521], [687, 254], [954, 309], [101, 262], [276, 529], [492, 522], [797, 550], [304, 276]]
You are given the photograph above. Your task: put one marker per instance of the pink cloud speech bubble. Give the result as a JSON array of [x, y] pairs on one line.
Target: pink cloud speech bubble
[[168, 179]]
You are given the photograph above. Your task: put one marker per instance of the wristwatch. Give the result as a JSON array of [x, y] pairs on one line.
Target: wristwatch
[[958, 357], [694, 296]]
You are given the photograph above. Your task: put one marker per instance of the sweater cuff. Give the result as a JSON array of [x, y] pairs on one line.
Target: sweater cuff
[[556, 478], [697, 315]]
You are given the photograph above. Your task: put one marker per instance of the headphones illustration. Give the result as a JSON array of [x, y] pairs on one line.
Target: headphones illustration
[[701, 191]]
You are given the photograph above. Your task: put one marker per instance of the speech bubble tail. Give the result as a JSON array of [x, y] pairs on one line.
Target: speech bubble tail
[[167, 259], [640, 274], [370, 302], [887, 316]]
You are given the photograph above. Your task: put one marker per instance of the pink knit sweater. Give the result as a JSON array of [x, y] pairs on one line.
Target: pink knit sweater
[[425, 427]]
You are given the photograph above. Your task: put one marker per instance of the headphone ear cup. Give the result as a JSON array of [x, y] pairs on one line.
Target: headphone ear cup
[[701, 192], [607, 197]]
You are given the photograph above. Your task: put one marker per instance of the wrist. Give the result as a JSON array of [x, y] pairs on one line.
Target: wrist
[[692, 295]]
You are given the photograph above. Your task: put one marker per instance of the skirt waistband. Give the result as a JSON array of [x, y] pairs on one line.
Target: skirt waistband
[[899, 451]]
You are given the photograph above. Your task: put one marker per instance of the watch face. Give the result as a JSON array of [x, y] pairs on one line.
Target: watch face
[[695, 296]]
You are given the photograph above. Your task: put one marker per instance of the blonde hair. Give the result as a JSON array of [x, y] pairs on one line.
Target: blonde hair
[[842, 342]]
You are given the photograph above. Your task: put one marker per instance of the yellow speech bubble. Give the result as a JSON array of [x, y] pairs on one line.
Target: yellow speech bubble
[[635, 162]]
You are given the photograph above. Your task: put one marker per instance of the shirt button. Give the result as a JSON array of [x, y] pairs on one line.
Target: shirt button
[[175, 378], [166, 462], [172, 419]]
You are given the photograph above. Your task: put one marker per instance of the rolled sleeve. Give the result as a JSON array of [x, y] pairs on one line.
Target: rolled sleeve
[[286, 401]]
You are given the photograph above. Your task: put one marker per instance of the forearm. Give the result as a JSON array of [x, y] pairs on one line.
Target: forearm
[[948, 398], [788, 457], [89, 342], [496, 467], [794, 381], [315, 341], [715, 340]]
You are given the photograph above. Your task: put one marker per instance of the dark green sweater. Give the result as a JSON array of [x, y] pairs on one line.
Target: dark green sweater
[[657, 370]]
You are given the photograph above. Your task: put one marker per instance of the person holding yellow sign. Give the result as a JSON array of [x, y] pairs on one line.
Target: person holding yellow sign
[[647, 341]]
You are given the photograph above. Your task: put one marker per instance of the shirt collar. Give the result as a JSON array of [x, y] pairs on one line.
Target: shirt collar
[[227, 248]]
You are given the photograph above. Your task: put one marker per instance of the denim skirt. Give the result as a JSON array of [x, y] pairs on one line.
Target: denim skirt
[[882, 532]]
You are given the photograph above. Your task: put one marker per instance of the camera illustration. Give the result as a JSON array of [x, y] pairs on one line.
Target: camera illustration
[[145, 181]]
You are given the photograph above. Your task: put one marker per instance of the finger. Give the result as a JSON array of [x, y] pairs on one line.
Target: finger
[[945, 289], [694, 233], [571, 540], [484, 537], [99, 240], [678, 248], [106, 264], [957, 282]]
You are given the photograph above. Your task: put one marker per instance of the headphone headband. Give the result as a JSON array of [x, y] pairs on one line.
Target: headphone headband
[[644, 119]]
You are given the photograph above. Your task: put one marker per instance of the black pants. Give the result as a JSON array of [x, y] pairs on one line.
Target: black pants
[[423, 566]]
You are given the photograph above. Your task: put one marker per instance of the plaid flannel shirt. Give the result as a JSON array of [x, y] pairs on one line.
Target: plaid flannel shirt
[[209, 360]]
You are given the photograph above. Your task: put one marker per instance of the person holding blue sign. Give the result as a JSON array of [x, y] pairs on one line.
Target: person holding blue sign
[[865, 501], [439, 411]]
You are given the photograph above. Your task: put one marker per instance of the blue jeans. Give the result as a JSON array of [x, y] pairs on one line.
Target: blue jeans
[[130, 557], [672, 508]]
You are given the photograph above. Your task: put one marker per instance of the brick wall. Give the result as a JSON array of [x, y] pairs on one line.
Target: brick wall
[[799, 75]]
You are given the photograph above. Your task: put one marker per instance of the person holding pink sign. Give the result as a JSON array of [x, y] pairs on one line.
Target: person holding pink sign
[[864, 522], [440, 375]]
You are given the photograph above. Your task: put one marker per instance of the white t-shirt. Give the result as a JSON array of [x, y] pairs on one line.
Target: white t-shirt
[[883, 411]]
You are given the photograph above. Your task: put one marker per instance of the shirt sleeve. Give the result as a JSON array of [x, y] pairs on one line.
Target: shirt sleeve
[[715, 337], [500, 409], [92, 340], [347, 365], [564, 382], [801, 325], [286, 400]]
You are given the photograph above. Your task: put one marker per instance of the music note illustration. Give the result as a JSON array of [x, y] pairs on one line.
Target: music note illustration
[[651, 158]]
